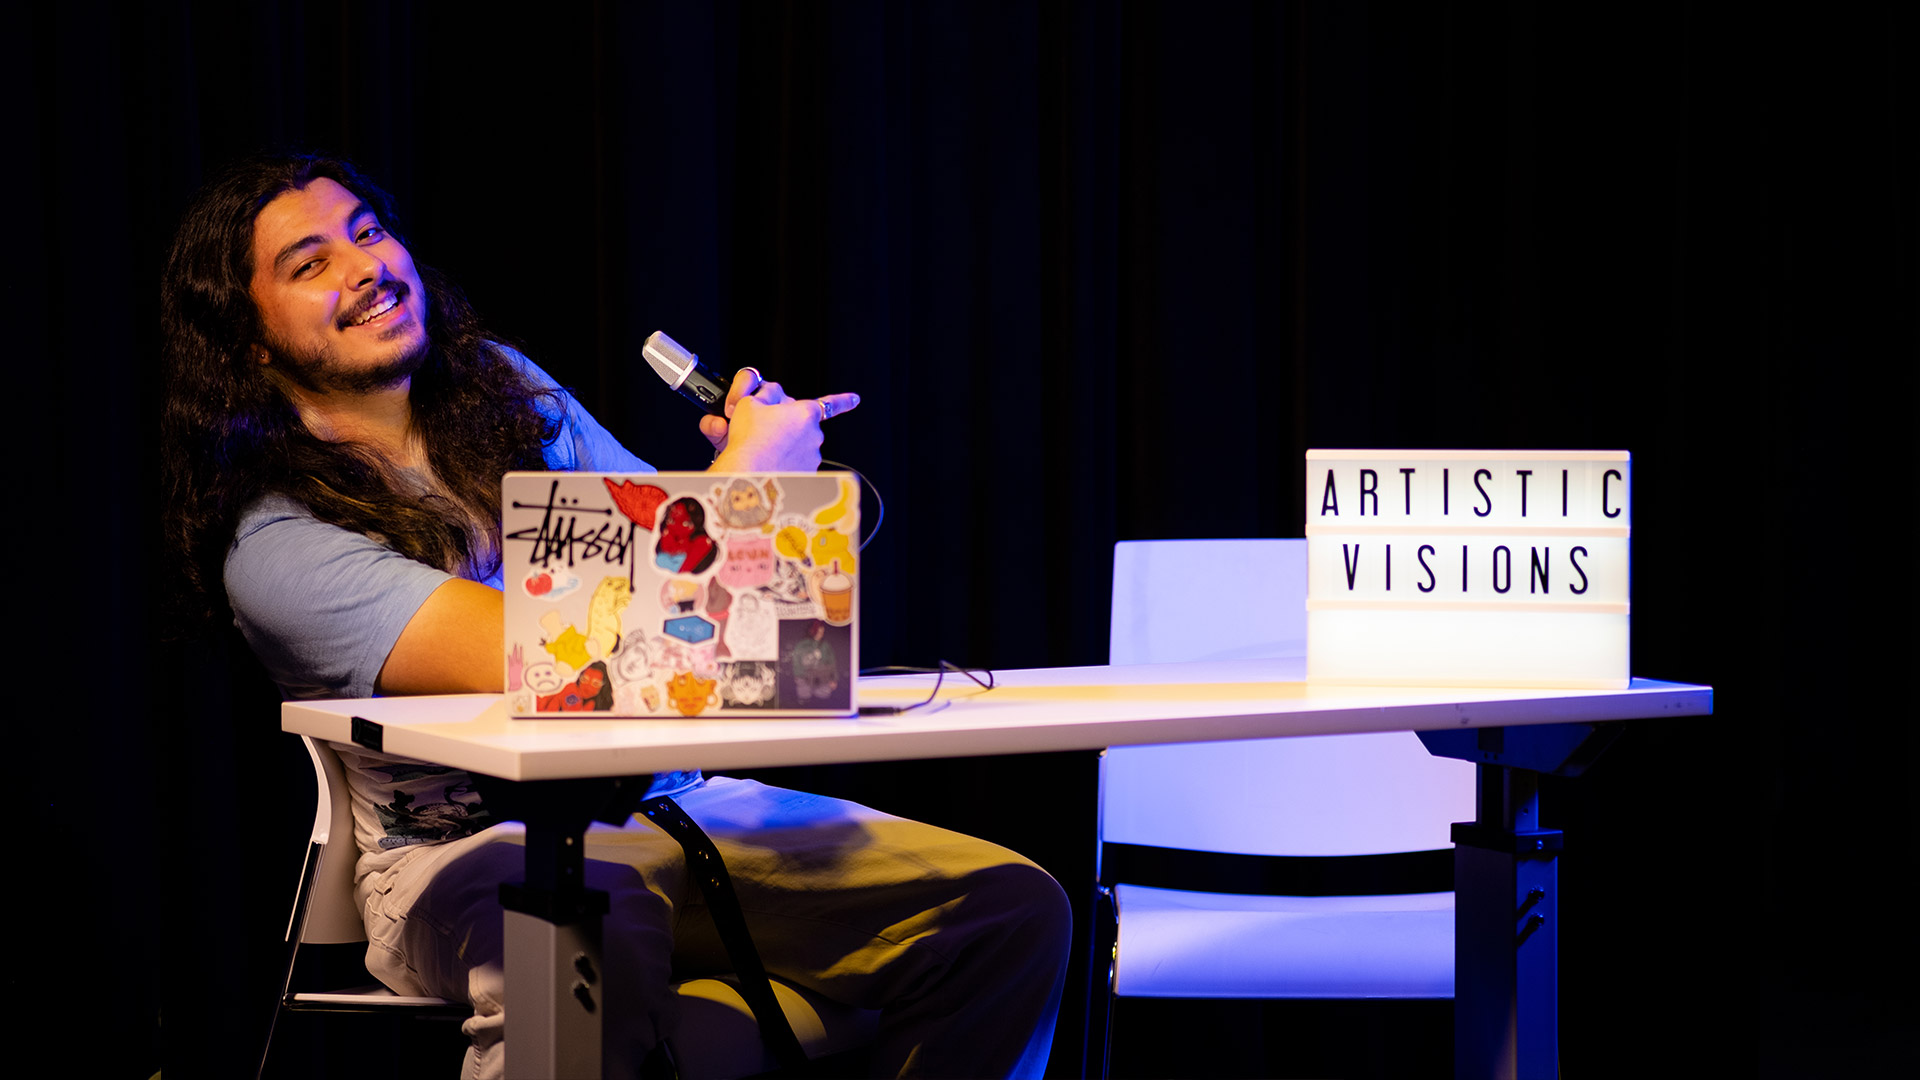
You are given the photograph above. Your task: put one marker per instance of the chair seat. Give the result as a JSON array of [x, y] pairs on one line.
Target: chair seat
[[717, 1036], [1174, 943], [370, 998]]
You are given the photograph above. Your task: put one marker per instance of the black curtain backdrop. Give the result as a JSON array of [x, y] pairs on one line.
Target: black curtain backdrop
[[1100, 272]]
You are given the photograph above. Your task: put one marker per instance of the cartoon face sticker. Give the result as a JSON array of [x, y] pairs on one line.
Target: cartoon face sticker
[[678, 596], [684, 547], [591, 692], [631, 664], [747, 685], [592, 680], [543, 678], [743, 506], [690, 694]]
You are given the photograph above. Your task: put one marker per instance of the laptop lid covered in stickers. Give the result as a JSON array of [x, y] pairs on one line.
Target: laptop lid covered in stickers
[[681, 594]]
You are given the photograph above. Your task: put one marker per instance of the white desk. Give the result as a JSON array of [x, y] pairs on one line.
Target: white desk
[[1031, 711]]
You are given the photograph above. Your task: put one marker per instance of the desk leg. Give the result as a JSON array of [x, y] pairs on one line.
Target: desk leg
[[1506, 950], [553, 998], [552, 928], [553, 962]]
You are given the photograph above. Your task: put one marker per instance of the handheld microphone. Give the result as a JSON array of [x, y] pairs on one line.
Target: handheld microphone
[[703, 386], [683, 371]]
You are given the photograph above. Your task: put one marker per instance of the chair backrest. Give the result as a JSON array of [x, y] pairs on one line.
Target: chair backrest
[[332, 916], [1176, 600]]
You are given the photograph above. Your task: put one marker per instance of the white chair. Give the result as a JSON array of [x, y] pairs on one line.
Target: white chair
[[717, 1038], [1279, 868]]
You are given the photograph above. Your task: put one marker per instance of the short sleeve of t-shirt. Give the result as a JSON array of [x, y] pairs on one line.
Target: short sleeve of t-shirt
[[322, 606]]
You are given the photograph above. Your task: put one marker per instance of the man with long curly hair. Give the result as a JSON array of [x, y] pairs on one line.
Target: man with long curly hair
[[337, 423]]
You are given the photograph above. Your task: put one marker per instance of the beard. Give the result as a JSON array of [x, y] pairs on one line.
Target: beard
[[321, 371]]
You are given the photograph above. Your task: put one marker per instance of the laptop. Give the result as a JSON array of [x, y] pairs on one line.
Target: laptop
[[681, 594]]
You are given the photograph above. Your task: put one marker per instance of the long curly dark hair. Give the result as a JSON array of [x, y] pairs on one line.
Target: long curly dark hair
[[230, 434]]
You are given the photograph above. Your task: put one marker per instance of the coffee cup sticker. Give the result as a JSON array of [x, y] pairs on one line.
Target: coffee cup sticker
[[836, 597]]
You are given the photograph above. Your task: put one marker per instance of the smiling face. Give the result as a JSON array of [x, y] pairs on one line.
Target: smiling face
[[342, 308]]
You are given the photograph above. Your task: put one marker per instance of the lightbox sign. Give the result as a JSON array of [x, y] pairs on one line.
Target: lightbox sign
[[1469, 567]]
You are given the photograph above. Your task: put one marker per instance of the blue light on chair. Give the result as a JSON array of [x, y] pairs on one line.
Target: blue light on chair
[[1279, 868]]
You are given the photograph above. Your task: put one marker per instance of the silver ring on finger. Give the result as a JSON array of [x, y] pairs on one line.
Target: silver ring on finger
[[826, 409], [759, 380]]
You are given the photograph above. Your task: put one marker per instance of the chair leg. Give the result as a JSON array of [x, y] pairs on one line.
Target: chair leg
[[1106, 928], [296, 930]]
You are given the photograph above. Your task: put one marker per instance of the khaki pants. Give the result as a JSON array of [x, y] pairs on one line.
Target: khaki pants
[[960, 944]]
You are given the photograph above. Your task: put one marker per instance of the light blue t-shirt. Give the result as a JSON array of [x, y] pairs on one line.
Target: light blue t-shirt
[[322, 607]]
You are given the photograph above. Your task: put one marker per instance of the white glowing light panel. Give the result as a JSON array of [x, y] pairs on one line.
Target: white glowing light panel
[[1469, 567]]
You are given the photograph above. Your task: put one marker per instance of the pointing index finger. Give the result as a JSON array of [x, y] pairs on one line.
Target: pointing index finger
[[832, 405]]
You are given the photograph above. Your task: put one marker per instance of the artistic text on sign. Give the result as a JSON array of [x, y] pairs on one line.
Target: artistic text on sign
[[1469, 567]]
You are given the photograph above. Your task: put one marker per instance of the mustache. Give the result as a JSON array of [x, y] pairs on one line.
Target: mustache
[[397, 289]]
